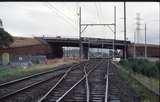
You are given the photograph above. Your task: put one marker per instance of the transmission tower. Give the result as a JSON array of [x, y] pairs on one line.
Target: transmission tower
[[138, 26]]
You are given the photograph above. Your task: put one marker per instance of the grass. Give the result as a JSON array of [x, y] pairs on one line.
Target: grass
[[7, 73], [142, 66], [144, 71], [145, 94], [149, 82]]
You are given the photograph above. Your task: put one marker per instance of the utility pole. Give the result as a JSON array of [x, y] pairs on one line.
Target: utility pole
[[125, 49], [115, 22], [145, 42], [80, 52], [159, 26], [102, 49], [114, 31]]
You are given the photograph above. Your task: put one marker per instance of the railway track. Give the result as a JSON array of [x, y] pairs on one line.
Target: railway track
[[92, 88], [88, 81], [13, 87], [68, 83]]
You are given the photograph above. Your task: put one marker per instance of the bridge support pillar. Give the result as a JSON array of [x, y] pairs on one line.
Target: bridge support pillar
[[85, 52], [57, 52], [124, 52]]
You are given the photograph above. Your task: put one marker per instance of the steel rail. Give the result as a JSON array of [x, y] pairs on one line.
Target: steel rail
[[59, 99], [27, 87], [87, 84], [63, 77], [106, 90], [31, 76], [31, 85]]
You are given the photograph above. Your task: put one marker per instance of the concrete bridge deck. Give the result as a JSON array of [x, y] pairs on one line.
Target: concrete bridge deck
[[92, 42]]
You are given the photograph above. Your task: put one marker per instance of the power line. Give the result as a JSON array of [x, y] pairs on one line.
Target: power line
[[71, 20], [18, 7], [97, 12], [60, 11], [51, 8], [101, 11], [58, 14], [73, 11]]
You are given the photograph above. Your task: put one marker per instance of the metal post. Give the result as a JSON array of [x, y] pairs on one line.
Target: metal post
[[134, 46], [145, 43], [114, 31], [102, 49], [80, 53], [159, 27], [125, 49], [80, 32], [88, 48], [115, 22], [67, 51]]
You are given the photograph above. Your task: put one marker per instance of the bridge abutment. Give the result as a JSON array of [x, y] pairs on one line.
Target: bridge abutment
[[85, 52], [57, 52]]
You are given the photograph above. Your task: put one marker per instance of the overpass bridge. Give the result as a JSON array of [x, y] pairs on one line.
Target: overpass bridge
[[57, 43], [92, 42]]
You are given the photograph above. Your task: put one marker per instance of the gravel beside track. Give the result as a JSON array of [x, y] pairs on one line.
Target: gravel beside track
[[118, 88]]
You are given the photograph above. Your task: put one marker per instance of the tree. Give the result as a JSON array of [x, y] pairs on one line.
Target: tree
[[5, 38]]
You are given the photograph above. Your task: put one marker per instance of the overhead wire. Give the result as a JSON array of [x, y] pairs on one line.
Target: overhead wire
[[60, 16], [60, 12], [67, 18], [64, 19], [83, 19], [101, 11], [52, 6], [102, 17], [30, 9], [73, 11], [97, 12], [9, 6]]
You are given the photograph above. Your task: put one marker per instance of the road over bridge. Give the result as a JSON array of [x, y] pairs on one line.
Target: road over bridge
[[58, 42], [92, 42]]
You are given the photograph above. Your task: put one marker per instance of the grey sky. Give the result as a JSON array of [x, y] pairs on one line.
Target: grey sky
[[39, 18]]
